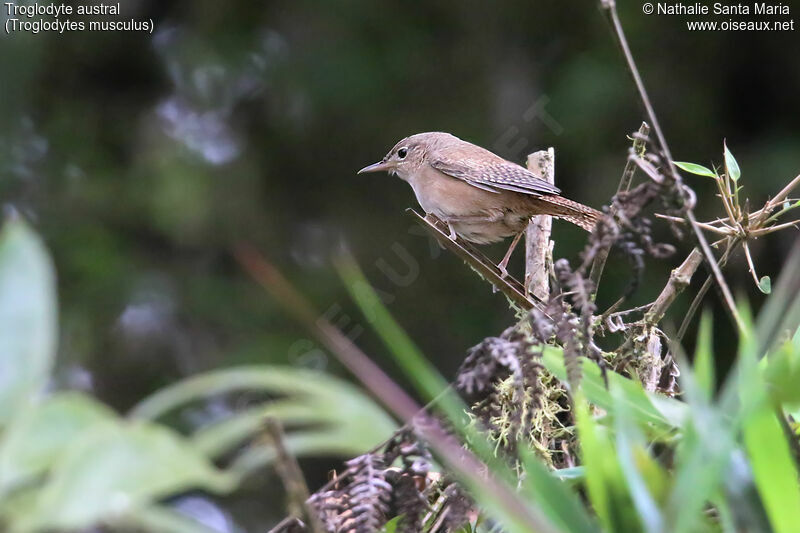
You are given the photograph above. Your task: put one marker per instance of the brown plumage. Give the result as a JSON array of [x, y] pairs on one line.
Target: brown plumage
[[482, 197]]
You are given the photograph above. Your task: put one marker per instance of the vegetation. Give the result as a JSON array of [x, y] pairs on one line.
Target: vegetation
[[118, 412]]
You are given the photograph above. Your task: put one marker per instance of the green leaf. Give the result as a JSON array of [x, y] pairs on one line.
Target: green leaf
[[116, 470], [731, 166], [514, 513], [702, 459], [704, 358], [782, 373], [391, 525], [773, 466], [694, 168], [28, 321], [561, 505], [315, 409], [605, 482], [662, 413], [37, 435], [423, 374], [765, 285], [644, 477], [774, 469]]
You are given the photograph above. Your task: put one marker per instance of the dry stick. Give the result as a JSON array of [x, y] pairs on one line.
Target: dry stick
[[537, 234], [678, 280], [462, 461], [611, 8], [292, 477], [698, 298], [639, 144], [601, 256], [775, 202]]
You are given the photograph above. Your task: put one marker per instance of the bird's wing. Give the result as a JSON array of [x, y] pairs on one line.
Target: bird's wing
[[494, 175]]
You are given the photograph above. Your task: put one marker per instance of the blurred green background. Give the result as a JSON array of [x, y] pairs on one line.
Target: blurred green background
[[142, 159]]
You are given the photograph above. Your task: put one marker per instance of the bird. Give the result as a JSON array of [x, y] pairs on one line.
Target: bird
[[482, 197]]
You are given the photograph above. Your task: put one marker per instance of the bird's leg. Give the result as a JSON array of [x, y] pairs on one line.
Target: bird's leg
[[453, 235], [504, 263], [470, 219]]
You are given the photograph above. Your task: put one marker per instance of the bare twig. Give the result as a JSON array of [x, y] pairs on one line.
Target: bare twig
[[698, 298], [725, 230], [771, 229], [678, 280], [292, 477], [537, 234], [750, 266], [611, 8], [290, 524], [777, 200], [639, 143], [508, 285]]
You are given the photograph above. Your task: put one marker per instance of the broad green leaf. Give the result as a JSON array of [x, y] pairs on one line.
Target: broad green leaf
[[321, 405], [315, 409], [731, 166], [117, 469], [694, 168], [774, 469], [782, 374], [37, 435], [27, 317], [771, 460], [765, 285]]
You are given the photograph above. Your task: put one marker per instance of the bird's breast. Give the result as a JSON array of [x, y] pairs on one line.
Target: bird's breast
[[445, 196], [476, 215]]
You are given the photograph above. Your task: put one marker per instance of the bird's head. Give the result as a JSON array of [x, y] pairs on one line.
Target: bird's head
[[408, 155]]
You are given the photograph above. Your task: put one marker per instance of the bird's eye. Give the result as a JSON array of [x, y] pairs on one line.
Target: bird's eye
[[402, 153]]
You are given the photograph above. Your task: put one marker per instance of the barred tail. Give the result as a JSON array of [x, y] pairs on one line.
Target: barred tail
[[576, 213]]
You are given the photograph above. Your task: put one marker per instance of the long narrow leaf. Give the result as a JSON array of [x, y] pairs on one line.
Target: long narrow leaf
[[555, 497], [28, 321], [430, 383]]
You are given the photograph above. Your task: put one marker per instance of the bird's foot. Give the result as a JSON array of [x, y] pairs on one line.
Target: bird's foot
[[503, 271], [453, 235]]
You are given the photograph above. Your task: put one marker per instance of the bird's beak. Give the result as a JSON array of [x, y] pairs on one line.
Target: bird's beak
[[376, 167]]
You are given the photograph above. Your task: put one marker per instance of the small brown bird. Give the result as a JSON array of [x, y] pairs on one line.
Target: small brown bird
[[482, 197]]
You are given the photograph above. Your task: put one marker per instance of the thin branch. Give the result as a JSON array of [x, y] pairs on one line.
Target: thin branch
[[639, 144], [750, 266], [779, 198], [698, 298], [292, 477], [678, 280], [706, 226], [771, 229], [693, 307], [600, 258], [611, 8], [508, 285], [725, 195]]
